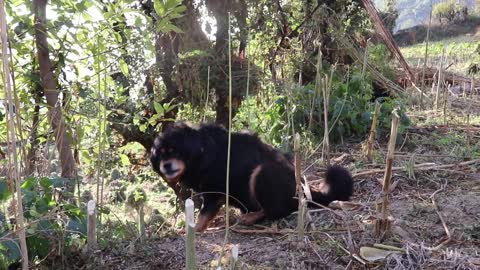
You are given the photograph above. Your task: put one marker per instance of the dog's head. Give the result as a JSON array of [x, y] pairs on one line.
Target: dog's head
[[176, 151]]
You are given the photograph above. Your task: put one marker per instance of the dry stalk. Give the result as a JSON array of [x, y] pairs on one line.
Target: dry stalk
[[440, 79], [207, 91], [442, 220], [426, 53], [326, 97], [445, 100], [469, 134], [318, 85], [12, 152], [373, 131], [422, 167], [382, 225], [298, 180]]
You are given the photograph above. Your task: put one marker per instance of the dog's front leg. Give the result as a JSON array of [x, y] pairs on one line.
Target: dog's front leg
[[211, 206]]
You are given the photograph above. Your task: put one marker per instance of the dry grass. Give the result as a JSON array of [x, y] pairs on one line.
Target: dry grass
[[436, 232]]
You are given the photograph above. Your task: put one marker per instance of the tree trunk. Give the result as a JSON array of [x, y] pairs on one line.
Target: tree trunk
[[166, 49], [219, 10], [51, 93]]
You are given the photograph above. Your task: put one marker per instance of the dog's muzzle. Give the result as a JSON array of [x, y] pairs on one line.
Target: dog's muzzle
[[172, 169]]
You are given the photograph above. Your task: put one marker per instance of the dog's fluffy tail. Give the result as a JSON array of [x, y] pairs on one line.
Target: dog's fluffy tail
[[338, 186]]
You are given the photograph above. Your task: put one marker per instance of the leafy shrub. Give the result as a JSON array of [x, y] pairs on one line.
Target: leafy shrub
[[42, 208], [451, 11], [301, 109]]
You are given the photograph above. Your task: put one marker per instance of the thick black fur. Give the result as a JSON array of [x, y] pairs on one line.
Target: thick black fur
[[203, 150]]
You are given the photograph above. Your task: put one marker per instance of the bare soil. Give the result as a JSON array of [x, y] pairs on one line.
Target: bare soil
[[334, 237]]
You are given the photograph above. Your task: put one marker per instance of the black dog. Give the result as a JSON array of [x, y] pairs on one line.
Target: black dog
[[262, 179]]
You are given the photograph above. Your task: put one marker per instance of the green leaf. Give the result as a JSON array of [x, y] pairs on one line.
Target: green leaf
[[10, 249], [46, 183], [28, 183], [42, 206], [77, 225], [159, 8], [38, 246], [123, 66], [169, 4], [138, 21], [158, 108], [4, 191], [174, 28], [179, 9], [124, 159], [104, 210]]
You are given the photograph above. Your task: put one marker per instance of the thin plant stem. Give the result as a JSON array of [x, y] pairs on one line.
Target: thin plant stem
[[13, 152], [227, 183]]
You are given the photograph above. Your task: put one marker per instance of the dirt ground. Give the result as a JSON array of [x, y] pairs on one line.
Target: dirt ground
[[334, 238]]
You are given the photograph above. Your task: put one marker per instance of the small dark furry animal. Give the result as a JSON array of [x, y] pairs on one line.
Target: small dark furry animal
[[262, 179]]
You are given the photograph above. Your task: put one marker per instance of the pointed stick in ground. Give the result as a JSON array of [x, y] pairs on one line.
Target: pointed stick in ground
[[383, 225], [91, 226], [373, 131], [234, 263], [190, 232]]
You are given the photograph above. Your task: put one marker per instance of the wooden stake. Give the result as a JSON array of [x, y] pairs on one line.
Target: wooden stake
[[234, 262], [190, 231], [382, 225], [91, 226], [141, 222], [373, 131]]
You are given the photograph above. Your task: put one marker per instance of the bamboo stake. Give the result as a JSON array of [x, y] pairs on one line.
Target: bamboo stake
[[234, 262], [12, 129], [383, 225], [373, 131], [190, 232], [91, 226]]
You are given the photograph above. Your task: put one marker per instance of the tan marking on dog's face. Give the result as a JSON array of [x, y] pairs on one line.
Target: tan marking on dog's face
[[172, 169]]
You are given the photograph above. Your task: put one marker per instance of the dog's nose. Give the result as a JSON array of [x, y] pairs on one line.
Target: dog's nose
[[167, 166]]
